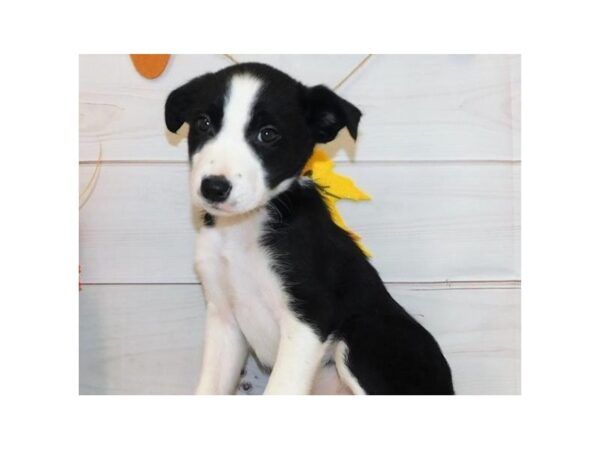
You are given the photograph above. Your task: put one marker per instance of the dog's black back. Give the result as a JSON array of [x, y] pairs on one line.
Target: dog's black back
[[340, 293]]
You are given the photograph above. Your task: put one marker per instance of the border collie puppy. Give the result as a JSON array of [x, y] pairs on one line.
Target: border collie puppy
[[280, 278]]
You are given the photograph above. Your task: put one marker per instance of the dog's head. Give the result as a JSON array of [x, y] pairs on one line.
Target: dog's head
[[252, 129]]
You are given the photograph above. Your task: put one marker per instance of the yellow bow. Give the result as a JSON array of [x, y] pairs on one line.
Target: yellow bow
[[334, 187]]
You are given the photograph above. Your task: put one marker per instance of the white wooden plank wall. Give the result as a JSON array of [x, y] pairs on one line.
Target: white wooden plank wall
[[439, 151]]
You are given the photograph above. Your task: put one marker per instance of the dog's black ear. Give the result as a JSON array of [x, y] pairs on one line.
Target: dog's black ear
[[180, 101], [176, 107], [328, 113]]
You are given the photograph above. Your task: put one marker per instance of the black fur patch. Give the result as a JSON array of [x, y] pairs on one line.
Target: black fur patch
[[338, 292], [208, 219]]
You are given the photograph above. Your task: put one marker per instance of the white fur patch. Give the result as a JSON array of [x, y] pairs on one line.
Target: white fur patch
[[230, 155], [299, 358], [328, 382], [347, 377], [238, 272]]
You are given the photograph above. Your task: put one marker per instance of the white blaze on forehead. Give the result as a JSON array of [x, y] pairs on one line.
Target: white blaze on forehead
[[229, 154], [243, 91]]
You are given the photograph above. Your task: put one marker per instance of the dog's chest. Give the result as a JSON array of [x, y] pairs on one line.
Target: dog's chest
[[237, 272]]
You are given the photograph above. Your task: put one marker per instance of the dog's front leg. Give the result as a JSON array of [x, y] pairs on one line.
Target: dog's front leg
[[298, 358], [224, 352]]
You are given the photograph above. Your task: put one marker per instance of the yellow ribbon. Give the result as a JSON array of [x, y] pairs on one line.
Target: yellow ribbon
[[334, 187]]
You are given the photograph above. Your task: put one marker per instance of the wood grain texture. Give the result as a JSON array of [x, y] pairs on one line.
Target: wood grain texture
[[416, 107], [427, 222], [146, 339]]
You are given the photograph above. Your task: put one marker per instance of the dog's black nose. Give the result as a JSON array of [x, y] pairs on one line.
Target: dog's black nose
[[215, 188]]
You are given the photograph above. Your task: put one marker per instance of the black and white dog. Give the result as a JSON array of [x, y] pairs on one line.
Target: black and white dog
[[279, 277]]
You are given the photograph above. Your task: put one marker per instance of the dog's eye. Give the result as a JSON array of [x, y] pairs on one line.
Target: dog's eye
[[203, 123], [268, 135]]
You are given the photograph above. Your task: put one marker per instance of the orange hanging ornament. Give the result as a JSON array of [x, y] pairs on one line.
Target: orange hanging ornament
[[150, 66]]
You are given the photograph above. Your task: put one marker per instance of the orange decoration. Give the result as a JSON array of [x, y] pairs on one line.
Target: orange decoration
[[150, 66]]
